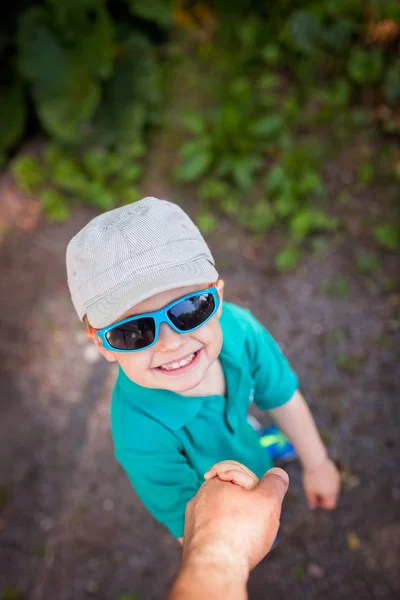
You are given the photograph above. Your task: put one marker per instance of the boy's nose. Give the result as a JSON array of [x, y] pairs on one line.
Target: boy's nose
[[168, 338]]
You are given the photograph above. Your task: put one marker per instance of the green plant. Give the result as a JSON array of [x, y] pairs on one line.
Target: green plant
[[86, 71], [229, 141], [338, 288], [388, 236], [368, 263], [287, 259]]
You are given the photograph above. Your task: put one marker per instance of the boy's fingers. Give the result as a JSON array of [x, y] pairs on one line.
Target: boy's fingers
[[328, 502], [240, 478], [226, 465], [312, 500]]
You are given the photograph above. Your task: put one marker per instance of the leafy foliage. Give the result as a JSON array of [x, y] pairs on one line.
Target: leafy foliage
[[283, 84], [89, 69]]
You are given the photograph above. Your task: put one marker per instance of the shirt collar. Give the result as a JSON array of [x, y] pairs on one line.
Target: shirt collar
[[174, 410]]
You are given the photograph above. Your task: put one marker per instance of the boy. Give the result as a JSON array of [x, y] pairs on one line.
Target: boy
[[143, 280]]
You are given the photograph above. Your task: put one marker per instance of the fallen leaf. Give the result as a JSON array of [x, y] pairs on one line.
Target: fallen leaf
[[353, 542]]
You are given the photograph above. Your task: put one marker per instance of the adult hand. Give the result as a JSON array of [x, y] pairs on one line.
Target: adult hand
[[233, 524], [230, 526]]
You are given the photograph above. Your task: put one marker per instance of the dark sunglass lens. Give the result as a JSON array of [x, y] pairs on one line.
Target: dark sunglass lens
[[133, 335], [192, 312]]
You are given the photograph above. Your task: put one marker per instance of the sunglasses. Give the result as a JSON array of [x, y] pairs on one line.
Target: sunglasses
[[141, 331]]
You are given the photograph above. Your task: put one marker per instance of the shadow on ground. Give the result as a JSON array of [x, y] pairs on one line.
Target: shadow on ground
[[71, 527]]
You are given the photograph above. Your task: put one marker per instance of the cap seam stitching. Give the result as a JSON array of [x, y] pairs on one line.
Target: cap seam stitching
[[141, 253], [121, 283]]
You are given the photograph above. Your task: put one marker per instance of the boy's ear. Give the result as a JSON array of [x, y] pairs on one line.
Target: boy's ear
[[108, 355], [220, 287], [91, 335]]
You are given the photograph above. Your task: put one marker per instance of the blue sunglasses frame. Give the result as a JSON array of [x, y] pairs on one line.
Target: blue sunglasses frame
[[159, 316]]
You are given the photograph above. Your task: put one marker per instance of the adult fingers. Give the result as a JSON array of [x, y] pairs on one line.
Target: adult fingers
[[274, 484]]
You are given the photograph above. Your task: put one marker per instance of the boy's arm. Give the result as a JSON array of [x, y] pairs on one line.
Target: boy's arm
[[276, 390], [296, 421], [321, 479]]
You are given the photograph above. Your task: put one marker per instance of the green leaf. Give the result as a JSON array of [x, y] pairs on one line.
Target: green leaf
[[95, 49], [194, 167], [366, 173], [287, 259], [339, 288], [307, 221], [206, 223], [55, 205], [12, 594], [310, 184], [306, 30], [275, 178], [194, 147], [258, 218], [12, 115], [388, 236], [65, 115], [100, 196], [159, 11], [368, 263], [214, 189], [286, 203], [67, 174], [391, 85], [365, 66], [42, 58], [268, 126], [28, 173], [194, 123]]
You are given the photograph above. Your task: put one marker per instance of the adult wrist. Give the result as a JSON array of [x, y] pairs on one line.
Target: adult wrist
[[201, 577], [216, 556]]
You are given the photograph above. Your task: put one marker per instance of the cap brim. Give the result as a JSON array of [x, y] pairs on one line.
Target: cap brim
[[112, 307]]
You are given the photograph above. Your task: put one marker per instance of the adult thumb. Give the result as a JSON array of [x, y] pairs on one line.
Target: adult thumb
[[274, 484]]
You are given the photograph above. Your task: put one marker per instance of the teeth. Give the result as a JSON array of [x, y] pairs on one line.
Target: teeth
[[178, 364]]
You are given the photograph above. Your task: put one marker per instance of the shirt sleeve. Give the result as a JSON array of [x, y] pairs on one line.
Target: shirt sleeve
[[163, 480], [275, 380]]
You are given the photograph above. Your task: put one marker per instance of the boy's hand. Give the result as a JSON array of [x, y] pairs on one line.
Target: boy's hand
[[322, 485], [235, 472]]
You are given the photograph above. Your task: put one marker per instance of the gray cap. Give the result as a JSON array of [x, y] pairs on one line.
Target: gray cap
[[131, 253]]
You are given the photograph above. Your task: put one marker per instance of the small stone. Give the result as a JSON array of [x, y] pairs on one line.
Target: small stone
[[91, 586], [91, 354], [317, 329], [350, 482], [396, 493], [108, 504], [346, 177], [46, 524], [315, 570]]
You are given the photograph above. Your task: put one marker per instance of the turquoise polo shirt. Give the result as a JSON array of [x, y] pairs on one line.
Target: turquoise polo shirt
[[166, 442]]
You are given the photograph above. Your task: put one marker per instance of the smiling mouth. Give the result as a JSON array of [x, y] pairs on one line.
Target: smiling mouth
[[176, 365]]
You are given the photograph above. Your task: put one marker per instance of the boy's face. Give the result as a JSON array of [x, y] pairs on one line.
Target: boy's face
[[200, 347]]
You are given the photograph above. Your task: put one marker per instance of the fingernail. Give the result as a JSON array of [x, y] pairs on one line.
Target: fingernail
[[281, 473]]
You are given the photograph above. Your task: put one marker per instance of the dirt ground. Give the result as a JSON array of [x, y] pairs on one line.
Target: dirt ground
[[72, 528]]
